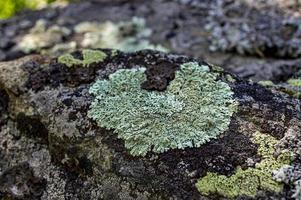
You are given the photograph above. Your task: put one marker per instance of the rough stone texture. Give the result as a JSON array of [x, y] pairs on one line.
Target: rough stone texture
[[45, 124]]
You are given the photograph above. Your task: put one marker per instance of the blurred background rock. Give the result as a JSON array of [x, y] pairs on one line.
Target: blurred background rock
[[260, 40]]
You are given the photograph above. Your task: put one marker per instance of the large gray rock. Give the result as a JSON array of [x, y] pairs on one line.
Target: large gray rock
[[46, 124]]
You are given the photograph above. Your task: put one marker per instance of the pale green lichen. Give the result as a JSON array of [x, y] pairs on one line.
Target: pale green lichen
[[294, 82], [291, 87], [89, 57], [195, 108], [230, 78], [248, 182], [266, 83], [127, 36], [40, 37]]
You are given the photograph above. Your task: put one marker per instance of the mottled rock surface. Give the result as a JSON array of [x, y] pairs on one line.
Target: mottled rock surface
[[253, 39], [51, 149]]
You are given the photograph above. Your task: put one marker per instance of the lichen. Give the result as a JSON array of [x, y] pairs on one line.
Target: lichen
[[247, 182], [89, 57], [40, 37], [292, 87], [195, 108], [126, 36], [266, 83], [294, 82], [290, 174]]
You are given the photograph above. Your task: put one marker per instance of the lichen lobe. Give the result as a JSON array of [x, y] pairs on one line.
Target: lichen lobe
[[89, 57]]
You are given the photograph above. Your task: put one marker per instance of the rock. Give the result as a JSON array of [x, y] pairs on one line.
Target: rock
[[210, 124], [266, 36]]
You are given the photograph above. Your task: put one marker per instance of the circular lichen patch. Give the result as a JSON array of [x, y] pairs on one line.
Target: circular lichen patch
[[195, 108]]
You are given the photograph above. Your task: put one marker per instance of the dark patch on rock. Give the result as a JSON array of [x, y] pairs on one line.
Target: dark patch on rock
[[4, 99], [77, 186], [32, 127], [160, 70], [159, 76], [58, 74], [72, 157], [77, 55], [54, 74], [257, 92], [19, 182]]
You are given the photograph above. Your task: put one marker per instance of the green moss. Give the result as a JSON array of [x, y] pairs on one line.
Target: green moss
[[194, 109], [294, 82], [248, 182], [89, 57]]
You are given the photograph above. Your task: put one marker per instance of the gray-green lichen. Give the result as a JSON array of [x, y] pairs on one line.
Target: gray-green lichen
[[290, 174], [126, 36], [89, 57], [41, 37], [295, 82], [292, 87], [195, 108]]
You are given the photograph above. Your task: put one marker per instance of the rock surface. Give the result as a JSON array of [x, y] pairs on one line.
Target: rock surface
[[262, 43], [51, 149]]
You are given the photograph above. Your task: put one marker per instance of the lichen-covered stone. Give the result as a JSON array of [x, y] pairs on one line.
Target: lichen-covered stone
[[40, 37], [247, 182], [292, 87], [47, 124], [126, 36], [290, 174], [294, 82]]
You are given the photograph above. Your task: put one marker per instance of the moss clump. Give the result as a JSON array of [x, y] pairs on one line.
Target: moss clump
[[248, 182], [89, 57], [194, 109]]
